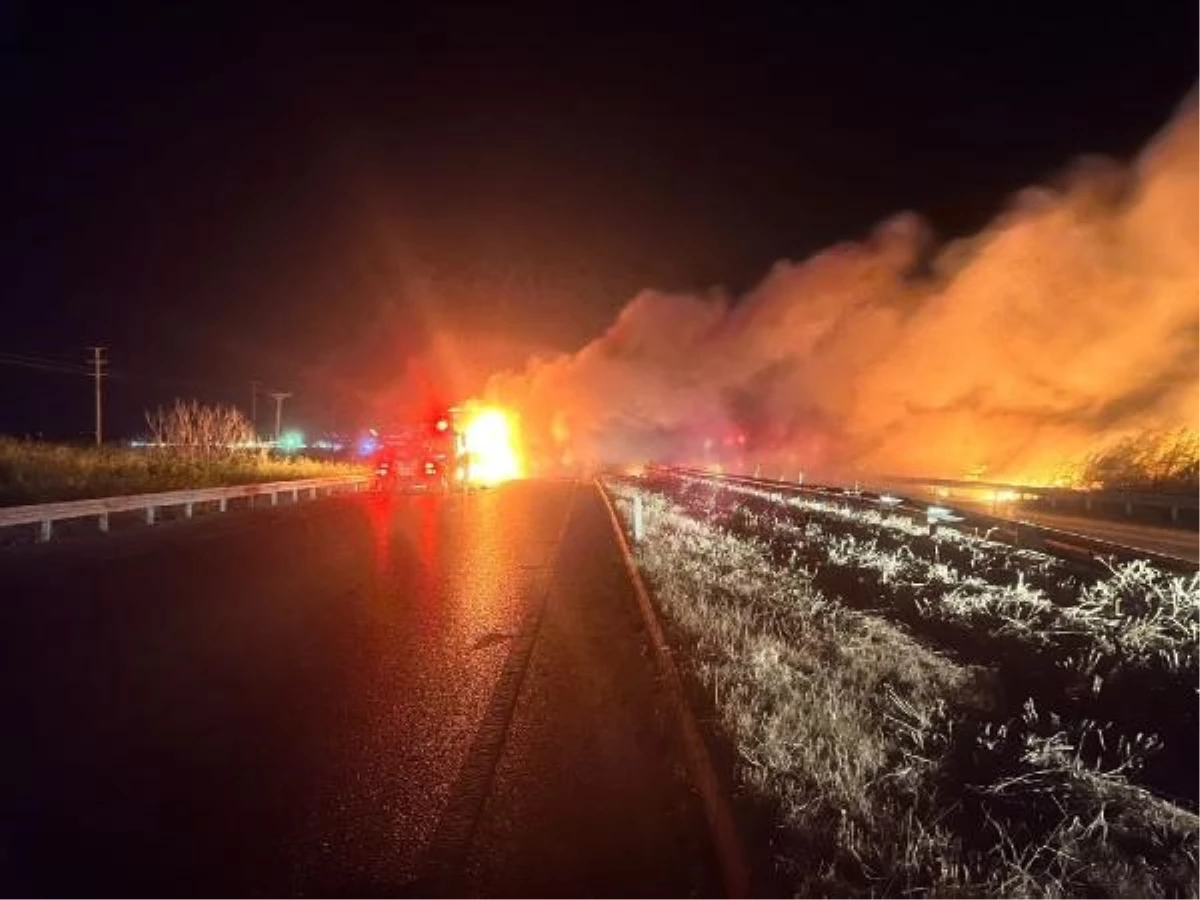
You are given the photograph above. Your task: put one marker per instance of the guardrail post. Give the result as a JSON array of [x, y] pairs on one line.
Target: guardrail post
[[187, 510], [312, 493], [1129, 507], [102, 521], [295, 495], [1175, 513], [274, 498], [150, 510], [222, 504], [45, 530]]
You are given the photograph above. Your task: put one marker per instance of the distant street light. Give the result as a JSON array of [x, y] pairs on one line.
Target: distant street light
[[279, 397]]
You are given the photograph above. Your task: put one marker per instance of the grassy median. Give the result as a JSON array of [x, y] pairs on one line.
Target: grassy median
[[36, 472], [892, 758]]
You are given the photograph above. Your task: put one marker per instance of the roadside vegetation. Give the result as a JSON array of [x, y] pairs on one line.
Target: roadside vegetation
[[192, 446], [932, 716], [1167, 461]]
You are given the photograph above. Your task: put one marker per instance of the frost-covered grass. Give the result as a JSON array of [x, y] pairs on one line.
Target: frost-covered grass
[[1144, 614], [1139, 616], [890, 767], [1121, 648]]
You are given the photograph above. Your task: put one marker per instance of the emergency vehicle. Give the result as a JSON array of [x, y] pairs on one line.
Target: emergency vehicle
[[424, 457]]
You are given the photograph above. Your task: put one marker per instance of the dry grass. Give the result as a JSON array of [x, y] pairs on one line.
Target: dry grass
[[876, 756], [1151, 460], [34, 472], [1139, 620]]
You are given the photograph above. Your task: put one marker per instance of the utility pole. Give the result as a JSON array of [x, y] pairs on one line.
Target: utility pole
[[98, 364], [254, 386], [279, 397]]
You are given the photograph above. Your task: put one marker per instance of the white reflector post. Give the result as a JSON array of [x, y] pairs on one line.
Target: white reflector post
[[638, 528]]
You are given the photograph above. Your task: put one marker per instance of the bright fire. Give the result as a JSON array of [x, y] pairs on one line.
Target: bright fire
[[489, 436], [1062, 336]]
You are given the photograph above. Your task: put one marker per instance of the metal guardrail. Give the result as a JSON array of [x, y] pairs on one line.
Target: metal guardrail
[[44, 515], [1018, 533]]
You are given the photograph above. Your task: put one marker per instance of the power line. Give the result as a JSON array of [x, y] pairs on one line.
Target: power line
[[225, 388], [97, 373], [45, 365], [98, 370]]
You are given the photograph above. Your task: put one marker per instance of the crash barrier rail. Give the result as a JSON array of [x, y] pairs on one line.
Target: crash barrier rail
[[44, 515], [1067, 500], [1017, 533]]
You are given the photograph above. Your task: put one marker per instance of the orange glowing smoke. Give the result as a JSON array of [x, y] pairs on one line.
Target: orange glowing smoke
[[1066, 326], [490, 443]]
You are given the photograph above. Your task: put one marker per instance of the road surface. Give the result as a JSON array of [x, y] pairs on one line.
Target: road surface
[[1179, 542], [1182, 543], [357, 696]]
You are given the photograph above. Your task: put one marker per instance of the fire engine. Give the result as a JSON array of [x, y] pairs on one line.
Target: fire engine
[[428, 456], [474, 445]]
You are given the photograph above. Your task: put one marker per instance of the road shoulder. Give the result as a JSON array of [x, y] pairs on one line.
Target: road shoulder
[[591, 797]]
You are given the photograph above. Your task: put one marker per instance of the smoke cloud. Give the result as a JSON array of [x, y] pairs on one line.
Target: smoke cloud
[[1067, 323]]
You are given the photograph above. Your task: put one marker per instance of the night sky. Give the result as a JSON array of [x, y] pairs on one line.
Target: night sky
[[318, 200]]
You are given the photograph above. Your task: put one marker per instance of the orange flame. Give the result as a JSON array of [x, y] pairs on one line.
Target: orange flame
[[490, 444]]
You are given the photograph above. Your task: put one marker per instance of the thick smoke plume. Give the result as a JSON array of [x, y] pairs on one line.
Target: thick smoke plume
[[1066, 325]]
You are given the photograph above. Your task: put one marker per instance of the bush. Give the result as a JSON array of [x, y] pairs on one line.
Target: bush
[[195, 432], [1151, 460]]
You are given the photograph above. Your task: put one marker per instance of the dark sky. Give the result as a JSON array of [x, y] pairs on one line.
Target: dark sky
[[310, 199]]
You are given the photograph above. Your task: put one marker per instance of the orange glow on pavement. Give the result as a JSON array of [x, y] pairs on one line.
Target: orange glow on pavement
[[490, 441]]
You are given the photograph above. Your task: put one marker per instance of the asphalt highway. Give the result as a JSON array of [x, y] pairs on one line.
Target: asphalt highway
[[1179, 542], [1182, 543], [366, 696]]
